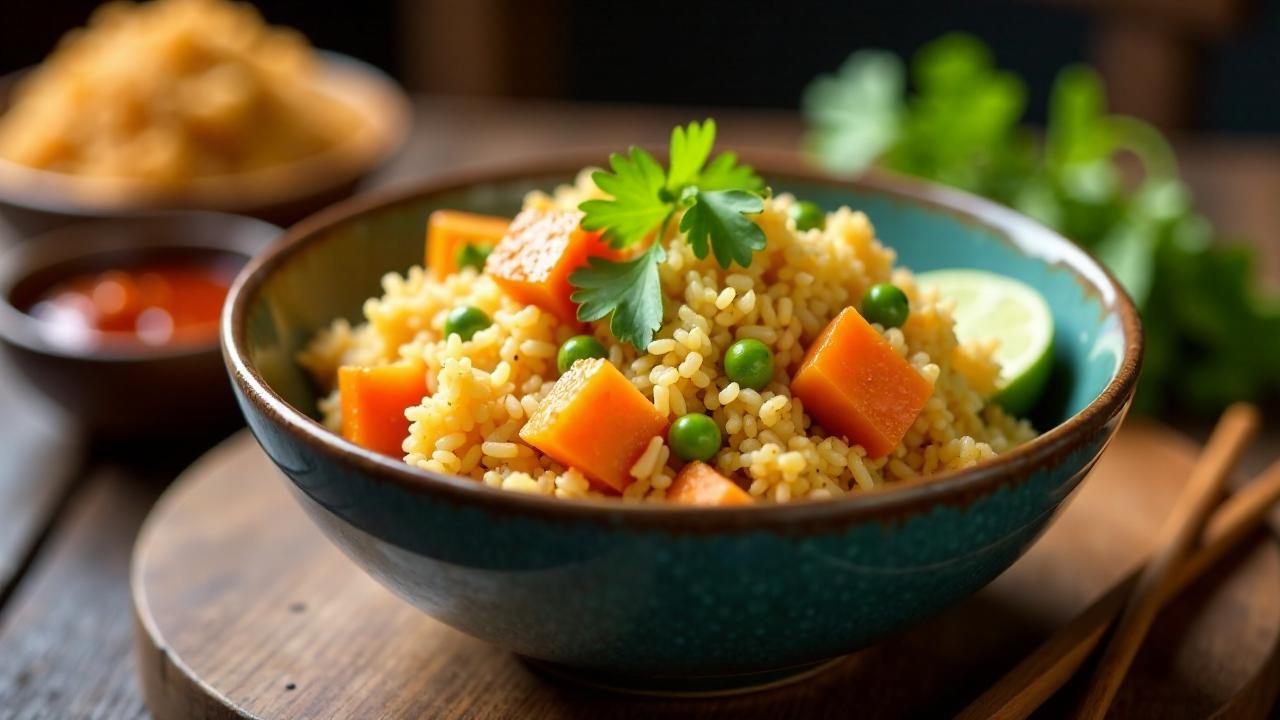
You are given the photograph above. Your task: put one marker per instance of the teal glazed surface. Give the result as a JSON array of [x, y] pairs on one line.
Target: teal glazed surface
[[673, 598]]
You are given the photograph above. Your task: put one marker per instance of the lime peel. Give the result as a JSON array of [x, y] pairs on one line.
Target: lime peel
[[989, 306]]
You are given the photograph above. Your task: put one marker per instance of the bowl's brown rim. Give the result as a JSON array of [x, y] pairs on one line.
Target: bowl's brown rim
[[956, 488], [66, 194], [66, 244]]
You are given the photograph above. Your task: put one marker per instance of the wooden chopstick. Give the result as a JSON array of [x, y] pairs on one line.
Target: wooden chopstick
[[1178, 536], [1019, 692], [1046, 670]]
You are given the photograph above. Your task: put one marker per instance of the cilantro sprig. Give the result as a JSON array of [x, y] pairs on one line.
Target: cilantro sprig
[[716, 198]]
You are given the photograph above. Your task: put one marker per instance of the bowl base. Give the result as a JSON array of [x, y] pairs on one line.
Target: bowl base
[[692, 686]]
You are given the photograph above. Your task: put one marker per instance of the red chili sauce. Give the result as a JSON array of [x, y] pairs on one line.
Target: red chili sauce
[[154, 304]]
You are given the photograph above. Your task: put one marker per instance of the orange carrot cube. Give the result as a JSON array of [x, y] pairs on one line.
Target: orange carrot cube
[[699, 484], [855, 385], [373, 403], [595, 420], [448, 231], [533, 261]]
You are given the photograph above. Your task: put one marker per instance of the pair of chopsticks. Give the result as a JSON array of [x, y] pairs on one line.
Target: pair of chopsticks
[[1193, 538]]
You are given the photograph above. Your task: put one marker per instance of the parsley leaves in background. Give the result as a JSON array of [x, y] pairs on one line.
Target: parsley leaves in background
[[1211, 338], [715, 197], [859, 109]]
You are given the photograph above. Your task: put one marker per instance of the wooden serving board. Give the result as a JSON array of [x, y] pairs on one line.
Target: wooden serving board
[[244, 610]]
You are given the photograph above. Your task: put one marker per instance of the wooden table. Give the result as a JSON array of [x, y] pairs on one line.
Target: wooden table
[[70, 509]]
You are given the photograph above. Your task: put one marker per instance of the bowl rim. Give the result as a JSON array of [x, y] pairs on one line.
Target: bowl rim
[[61, 245], [956, 488], [383, 105]]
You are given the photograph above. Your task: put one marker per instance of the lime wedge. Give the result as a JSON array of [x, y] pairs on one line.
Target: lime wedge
[[994, 306]]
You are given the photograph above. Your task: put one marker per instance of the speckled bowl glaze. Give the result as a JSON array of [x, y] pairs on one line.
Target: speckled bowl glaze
[[678, 599]]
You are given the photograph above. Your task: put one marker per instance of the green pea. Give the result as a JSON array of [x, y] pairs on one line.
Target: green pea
[[885, 304], [578, 347], [749, 363], [808, 216], [465, 321], [472, 256], [694, 437]]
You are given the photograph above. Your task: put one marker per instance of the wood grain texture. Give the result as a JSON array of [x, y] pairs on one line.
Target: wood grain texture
[[1174, 543], [1042, 673], [245, 610], [39, 452], [64, 641]]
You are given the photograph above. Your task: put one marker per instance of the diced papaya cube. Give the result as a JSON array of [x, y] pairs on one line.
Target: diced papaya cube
[[699, 484], [449, 231], [595, 420], [533, 261], [854, 384], [373, 403]]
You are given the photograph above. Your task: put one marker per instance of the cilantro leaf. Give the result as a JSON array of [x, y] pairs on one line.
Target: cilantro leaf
[[636, 207], [716, 198], [1129, 252], [724, 173], [856, 113], [962, 126], [1077, 130], [629, 290], [690, 148], [718, 218]]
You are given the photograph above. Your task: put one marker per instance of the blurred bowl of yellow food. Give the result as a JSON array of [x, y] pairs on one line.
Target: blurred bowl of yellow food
[[195, 105]]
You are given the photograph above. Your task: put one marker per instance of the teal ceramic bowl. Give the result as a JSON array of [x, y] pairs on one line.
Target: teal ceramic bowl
[[678, 599]]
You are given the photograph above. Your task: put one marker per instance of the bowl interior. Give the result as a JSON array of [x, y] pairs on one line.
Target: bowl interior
[[331, 276], [212, 240]]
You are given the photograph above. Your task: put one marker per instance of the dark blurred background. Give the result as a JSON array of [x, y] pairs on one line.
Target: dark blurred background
[[1208, 65]]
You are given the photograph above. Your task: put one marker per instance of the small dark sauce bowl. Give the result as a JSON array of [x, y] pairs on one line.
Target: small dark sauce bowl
[[125, 390]]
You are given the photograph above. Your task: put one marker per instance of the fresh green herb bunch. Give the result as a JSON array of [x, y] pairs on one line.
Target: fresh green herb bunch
[[715, 198], [1211, 338]]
